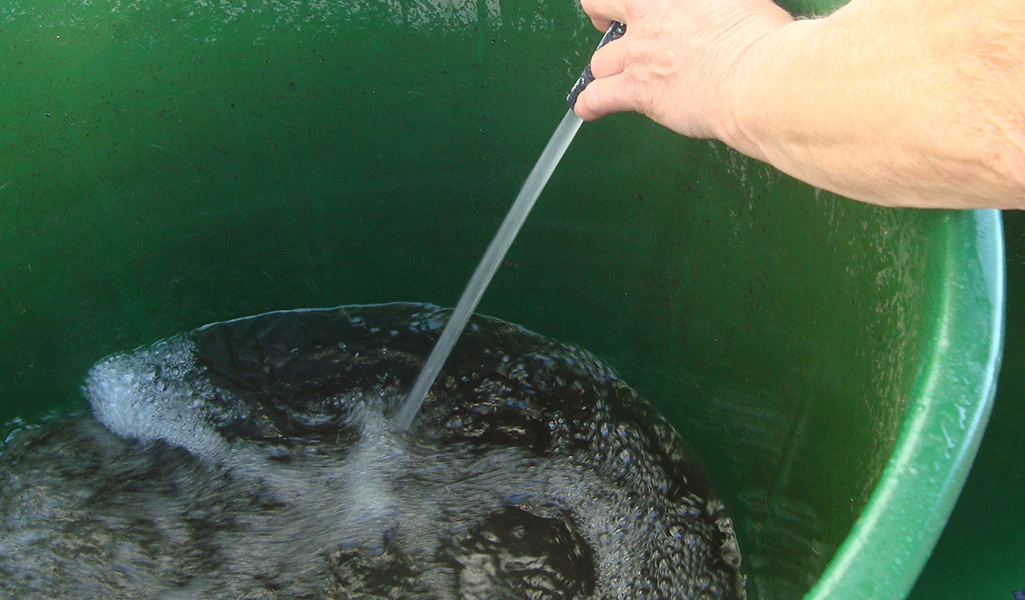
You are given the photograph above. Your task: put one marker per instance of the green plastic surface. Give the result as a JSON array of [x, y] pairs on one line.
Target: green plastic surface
[[170, 163], [982, 551]]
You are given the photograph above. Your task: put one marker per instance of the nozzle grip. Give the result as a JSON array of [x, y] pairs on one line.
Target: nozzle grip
[[615, 31]]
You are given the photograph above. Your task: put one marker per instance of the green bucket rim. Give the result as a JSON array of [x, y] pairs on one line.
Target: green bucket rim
[[887, 549]]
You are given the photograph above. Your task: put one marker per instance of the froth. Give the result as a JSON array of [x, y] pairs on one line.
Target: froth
[[155, 394]]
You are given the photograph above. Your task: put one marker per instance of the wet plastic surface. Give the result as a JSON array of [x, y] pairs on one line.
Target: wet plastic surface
[[980, 554], [178, 163]]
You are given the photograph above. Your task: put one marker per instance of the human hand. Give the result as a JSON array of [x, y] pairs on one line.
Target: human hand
[[676, 60], [909, 103]]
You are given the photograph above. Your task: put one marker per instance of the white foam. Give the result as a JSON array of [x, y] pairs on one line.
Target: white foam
[[369, 502], [154, 394]]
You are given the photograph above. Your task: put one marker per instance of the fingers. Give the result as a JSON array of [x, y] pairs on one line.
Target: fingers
[[610, 59], [604, 96], [609, 92], [601, 24]]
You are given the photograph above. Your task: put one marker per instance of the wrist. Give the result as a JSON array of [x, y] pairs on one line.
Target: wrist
[[761, 94]]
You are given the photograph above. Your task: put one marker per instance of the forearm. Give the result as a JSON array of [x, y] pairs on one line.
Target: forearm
[[894, 102]]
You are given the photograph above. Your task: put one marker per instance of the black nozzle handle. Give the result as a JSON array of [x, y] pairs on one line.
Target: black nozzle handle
[[614, 32]]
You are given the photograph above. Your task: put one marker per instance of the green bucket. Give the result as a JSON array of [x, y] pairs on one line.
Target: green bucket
[[167, 164]]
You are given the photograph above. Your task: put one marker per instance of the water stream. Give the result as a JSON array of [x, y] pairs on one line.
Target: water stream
[[488, 265]]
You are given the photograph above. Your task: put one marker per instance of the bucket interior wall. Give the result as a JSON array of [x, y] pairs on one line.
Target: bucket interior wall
[[169, 164]]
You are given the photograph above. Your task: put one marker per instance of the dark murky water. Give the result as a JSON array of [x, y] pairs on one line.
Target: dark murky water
[[257, 459]]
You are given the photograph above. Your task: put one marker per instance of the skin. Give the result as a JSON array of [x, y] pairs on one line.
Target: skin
[[915, 103]]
